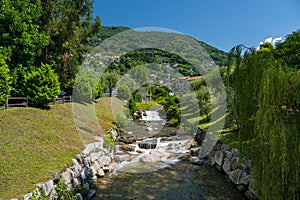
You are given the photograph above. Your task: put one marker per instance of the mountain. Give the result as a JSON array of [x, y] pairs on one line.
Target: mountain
[[156, 56]]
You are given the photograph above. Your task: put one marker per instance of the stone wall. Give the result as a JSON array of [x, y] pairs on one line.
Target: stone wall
[[82, 172], [227, 159]]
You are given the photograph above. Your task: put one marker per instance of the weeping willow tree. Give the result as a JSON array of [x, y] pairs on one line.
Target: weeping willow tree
[[247, 80], [276, 164]]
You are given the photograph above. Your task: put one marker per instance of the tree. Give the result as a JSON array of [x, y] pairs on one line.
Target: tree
[[41, 86], [110, 80], [289, 50], [204, 101], [4, 80], [69, 24], [85, 87], [124, 92], [20, 37], [99, 90]]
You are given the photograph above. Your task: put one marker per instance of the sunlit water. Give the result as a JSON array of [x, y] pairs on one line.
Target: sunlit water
[[181, 181], [169, 178]]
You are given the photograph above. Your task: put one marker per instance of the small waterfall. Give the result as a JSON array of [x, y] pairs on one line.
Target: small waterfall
[[151, 116], [148, 144]]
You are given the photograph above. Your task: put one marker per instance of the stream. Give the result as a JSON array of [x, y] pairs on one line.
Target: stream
[[154, 168]]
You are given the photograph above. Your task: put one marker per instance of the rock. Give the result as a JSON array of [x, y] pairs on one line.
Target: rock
[[196, 161], [85, 174], [100, 172], [241, 188], [235, 152], [106, 169], [224, 148], [93, 171], [92, 147], [234, 163], [95, 156], [228, 154], [126, 140], [200, 136], [235, 176], [76, 167], [139, 151], [27, 196], [121, 158], [219, 157], [246, 164], [91, 194], [47, 187], [78, 196], [150, 144], [76, 182], [245, 179], [195, 151], [252, 186], [250, 195], [79, 158], [226, 165], [112, 166], [127, 147], [87, 161], [67, 176], [153, 157], [104, 160]]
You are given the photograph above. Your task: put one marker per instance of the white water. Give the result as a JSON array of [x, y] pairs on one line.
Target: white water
[[151, 116], [172, 151]]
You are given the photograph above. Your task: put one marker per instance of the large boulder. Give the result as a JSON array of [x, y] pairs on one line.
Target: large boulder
[[200, 135], [153, 157]]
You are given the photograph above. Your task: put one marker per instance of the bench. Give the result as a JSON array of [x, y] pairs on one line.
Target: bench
[[16, 101]]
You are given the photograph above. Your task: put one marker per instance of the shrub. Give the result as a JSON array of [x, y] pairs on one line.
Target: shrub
[[85, 87], [41, 86], [124, 92], [4, 80]]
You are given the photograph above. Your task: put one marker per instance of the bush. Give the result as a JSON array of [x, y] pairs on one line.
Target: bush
[[124, 92], [41, 86], [99, 90], [4, 80], [122, 121], [85, 87]]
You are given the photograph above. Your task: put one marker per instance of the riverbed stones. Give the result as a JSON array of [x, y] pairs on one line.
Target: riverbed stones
[[121, 157], [47, 187], [235, 176], [219, 157], [127, 147], [153, 157], [226, 165]]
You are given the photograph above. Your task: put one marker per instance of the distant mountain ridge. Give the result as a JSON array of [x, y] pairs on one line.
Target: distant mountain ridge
[[219, 56]]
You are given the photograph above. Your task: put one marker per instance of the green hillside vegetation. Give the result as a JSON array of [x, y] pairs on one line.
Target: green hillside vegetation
[[35, 143]]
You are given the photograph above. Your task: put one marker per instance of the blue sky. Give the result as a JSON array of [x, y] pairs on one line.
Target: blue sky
[[221, 23]]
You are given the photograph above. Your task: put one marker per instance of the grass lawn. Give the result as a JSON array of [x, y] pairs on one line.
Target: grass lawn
[[34, 143]]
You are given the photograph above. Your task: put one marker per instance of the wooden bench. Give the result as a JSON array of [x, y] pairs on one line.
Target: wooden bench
[[16, 101]]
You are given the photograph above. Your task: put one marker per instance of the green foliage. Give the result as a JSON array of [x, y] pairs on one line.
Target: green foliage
[[41, 86], [69, 24], [20, 37], [265, 101], [131, 106], [124, 92], [99, 90], [109, 80], [86, 87], [109, 142], [146, 105], [289, 50], [104, 33], [204, 101], [5, 80], [122, 121], [63, 193]]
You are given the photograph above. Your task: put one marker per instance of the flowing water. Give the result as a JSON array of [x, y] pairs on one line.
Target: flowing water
[[182, 181], [155, 169]]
